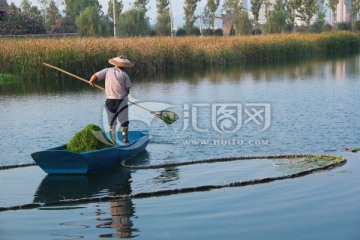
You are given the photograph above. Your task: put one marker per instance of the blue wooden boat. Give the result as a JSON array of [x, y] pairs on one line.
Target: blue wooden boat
[[60, 161]]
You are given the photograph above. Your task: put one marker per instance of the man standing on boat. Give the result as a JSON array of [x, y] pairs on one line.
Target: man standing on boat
[[117, 88]]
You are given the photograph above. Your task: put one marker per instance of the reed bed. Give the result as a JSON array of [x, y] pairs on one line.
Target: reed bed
[[84, 56]]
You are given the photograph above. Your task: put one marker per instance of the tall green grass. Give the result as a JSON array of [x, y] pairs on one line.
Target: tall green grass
[[84, 56]]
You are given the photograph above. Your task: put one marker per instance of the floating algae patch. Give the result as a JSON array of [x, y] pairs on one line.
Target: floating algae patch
[[300, 164], [90, 138], [6, 78]]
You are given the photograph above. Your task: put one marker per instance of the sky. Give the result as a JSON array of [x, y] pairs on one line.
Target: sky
[[177, 8]]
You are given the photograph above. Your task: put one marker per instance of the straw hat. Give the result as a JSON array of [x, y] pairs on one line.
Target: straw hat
[[121, 61]]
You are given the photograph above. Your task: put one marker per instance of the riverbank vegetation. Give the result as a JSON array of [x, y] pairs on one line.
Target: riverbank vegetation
[[9, 79], [151, 55]]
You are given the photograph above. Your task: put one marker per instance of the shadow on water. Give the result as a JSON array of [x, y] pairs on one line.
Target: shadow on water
[[61, 187], [114, 181], [58, 82]]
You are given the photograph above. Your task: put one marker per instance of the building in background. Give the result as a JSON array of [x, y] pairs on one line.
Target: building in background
[[342, 13], [4, 8], [263, 10]]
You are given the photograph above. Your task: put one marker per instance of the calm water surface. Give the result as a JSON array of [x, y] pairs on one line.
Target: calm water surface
[[307, 107]]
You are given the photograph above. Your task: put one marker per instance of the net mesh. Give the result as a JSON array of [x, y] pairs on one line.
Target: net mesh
[[167, 116]]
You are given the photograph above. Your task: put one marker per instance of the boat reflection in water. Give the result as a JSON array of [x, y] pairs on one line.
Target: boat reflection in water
[[114, 181]]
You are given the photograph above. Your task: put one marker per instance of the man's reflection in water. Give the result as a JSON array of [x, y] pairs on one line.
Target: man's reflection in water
[[121, 213]]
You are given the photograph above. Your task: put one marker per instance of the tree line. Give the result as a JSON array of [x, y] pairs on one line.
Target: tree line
[[87, 18]]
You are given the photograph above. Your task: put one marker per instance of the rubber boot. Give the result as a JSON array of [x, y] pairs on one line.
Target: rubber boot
[[125, 134], [112, 134]]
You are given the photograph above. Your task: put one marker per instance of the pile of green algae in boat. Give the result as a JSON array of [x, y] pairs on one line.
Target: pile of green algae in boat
[[90, 138]]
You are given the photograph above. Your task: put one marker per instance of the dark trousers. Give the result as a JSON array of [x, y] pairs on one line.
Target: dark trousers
[[117, 109]]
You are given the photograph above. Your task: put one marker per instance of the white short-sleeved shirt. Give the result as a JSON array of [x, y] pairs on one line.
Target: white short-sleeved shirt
[[116, 82]]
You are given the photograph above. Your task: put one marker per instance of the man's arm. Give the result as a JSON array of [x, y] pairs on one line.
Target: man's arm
[[92, 80]]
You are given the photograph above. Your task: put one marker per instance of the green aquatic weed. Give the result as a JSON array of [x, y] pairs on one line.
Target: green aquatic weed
[[169, 117], [296, 165], [90, 138]]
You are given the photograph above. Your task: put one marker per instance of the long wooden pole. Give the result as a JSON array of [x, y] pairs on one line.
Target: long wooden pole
[[97, 86], [73, 75]]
